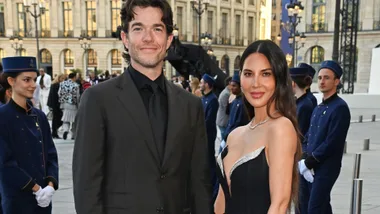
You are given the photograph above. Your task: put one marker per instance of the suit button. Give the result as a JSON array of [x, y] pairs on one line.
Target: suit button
[[163, 176], [159, 209]]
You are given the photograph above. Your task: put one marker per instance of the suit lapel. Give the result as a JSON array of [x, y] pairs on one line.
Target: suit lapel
[[175, 112], [131, 100]]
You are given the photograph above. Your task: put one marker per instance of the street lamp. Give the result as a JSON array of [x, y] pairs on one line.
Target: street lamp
[[197, 6], [85, 43], [294, 9], [41, 7], [16, 43]]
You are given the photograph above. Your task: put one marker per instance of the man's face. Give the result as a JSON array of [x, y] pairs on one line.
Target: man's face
[[147, 39], [327, 81], [202, 85], [235, 88], [42, 72]]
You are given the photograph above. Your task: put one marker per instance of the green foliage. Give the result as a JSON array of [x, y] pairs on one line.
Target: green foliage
[[76, 70]]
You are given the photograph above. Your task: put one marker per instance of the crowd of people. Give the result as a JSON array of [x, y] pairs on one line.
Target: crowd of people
[[144, 144]]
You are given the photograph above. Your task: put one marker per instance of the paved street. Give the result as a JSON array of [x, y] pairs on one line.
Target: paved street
[[370, 172]]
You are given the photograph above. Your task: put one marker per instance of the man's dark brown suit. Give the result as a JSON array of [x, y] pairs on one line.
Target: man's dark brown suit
[[116, 166]]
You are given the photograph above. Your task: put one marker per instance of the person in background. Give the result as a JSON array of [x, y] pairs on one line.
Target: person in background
[[325, 140], [222, 116], [44, 82], [55, 106], [195, 89], [28, 157], [300, 81], [311, 72], [210, 107]]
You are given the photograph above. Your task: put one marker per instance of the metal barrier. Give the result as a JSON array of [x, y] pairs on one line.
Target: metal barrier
[[355, 176], [366, 145], [374, 118], [360, 118], [357, 200]]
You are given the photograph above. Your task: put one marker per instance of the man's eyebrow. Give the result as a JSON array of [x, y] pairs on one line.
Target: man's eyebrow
[[136, 24]]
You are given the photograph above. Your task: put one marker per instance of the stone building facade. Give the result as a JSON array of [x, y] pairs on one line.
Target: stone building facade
[[233, 24]]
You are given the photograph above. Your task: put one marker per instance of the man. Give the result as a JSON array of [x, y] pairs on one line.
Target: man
[[325, 140], [93, 79], [69, 95], [238, 116], [132, 154], [210, 107], [311, 72], [44, 83], [222, 116]]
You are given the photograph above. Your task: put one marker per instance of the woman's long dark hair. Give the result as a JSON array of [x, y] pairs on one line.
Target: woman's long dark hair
[[283, 97], [4, 85]]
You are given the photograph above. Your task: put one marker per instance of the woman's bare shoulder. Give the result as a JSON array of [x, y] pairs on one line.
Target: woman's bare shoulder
[[281, 127]]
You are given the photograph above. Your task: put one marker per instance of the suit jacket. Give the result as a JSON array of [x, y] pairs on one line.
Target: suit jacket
[[116, 167]]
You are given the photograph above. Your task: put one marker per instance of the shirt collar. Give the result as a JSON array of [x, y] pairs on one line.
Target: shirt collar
[[328, 100], [20, 109], [141, 80], [301, 97]]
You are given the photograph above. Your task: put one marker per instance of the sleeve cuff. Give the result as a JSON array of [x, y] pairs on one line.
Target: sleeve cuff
[[29, 186], [53, 180], [311, 162]]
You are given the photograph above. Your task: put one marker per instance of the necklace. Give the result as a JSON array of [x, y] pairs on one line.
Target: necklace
[[252, 127]]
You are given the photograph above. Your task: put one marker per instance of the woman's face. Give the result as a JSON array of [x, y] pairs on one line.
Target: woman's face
[[257, 80], [24, 84]]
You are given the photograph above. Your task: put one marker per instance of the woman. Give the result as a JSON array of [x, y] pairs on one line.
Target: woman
[[28, 158], [195, 89], [300, 82], [258, 167], [54, 105]]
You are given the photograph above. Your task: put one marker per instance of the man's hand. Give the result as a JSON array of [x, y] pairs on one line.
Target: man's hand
[[44, 196], [307, 173]]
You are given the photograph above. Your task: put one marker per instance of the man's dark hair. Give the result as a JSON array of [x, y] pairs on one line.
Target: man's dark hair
[[127, 15], [227, 81], [72, 75]]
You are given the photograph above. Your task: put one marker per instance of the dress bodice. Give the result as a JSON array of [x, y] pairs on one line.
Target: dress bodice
[[248, 192]]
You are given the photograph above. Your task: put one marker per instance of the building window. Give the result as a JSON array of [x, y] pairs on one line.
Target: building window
[[21, 19], [67, 19], [91, 18], [92, 59], [2, 25], [46, 57], [116, 59], [252, 2], [179, 22], [68, 58], [317, 55], [195, 26], [2, 53], [45, 22], [115, 14], [224, 28], [318, 16], [210, 15], [238, 30], [237, 63], [250, 29]]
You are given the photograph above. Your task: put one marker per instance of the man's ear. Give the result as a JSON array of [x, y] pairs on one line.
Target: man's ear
[[124, 38], [170, 39], [337, 81]]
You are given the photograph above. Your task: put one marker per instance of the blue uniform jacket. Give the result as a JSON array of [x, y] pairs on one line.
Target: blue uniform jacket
[[210, 107], [312, 98], [238, 116], [304, 111], [327, 135], [27, 157]]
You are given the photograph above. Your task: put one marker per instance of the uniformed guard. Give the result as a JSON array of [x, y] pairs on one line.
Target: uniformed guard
[[300, 81], [238, 116], [210, 107], [325, 140], [28, 157], [311, 73]]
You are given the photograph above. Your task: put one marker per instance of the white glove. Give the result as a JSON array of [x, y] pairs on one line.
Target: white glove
[[44, 196], [307, 173]]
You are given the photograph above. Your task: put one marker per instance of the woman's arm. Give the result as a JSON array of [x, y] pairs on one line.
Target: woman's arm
[[282, 147], [219, 206]]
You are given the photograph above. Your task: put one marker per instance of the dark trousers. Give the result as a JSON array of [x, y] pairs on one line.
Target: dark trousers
[[320, 191], [57, 122], [303, 196]]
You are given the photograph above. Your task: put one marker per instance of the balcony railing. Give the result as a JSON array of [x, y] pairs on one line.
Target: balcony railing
[[224, 41], [317, 28], [239, 42], [45, 34], [376, 25]]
